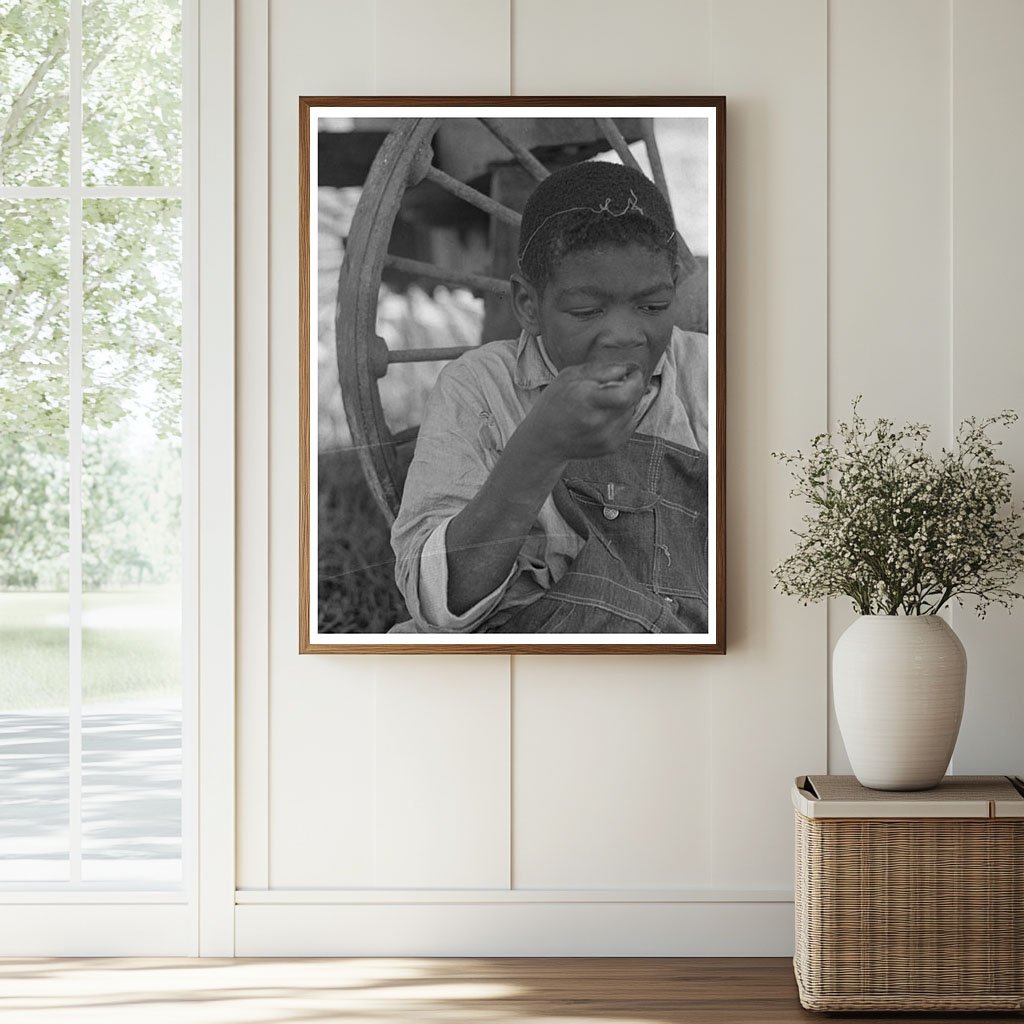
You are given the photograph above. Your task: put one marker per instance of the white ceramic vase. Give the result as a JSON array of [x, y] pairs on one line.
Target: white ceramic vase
[[898, 683]]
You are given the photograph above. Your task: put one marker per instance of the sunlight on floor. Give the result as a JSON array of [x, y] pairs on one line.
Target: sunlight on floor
[[225, 991], [127, 990]]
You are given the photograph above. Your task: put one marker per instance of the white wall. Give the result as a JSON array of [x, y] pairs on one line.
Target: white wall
[[613, 805]]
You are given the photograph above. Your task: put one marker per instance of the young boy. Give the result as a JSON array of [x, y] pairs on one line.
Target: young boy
[[560, 480]]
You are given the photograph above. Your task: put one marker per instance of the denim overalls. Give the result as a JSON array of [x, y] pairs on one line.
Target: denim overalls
[[643, 568]]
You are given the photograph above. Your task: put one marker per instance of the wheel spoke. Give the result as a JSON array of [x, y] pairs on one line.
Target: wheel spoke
[[427, 355], [617, 141], [471, 195], [404, 436], [381, 357], [654, 155], [619, 144], [475, 282], [526, 159], [689, 264]]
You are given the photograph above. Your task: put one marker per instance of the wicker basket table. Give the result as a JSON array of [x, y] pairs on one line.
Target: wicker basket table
[[910, 901]]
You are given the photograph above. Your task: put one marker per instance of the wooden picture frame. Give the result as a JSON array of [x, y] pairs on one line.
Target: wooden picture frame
[[408, 212]]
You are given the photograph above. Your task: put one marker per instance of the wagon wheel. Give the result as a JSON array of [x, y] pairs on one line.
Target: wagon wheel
[[403, 161]]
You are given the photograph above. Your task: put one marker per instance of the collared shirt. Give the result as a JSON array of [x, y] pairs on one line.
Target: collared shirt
[[473, 409]]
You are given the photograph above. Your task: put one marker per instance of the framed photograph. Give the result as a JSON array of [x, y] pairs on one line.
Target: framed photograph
[[512, 375]]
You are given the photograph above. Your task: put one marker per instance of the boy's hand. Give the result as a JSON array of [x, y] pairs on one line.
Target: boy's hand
[[587, 410]]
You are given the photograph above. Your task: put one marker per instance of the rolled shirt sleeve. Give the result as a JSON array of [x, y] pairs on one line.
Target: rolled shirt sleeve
[[433, 589], [457, 447]]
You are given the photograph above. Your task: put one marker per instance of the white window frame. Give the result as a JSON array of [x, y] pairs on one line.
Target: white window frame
[[216, 392], [197, 918]]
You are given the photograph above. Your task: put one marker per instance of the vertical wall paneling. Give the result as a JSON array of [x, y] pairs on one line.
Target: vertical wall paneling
[[442, 722], [216, 294], [442, 772], [889, 250], [442, 777], [769, 692], [873, 246], [321, 708], [441, 48], [611, 755], [889, 203], [578, 47], [612, 758], [323, 760], [253, 462], [987, 368]]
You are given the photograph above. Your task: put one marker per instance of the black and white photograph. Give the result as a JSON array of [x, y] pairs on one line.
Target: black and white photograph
[[512, 375]]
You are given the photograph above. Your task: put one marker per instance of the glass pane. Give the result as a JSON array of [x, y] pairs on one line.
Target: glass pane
[[131, 92], [33, 92], [131, 541], [33, 540]]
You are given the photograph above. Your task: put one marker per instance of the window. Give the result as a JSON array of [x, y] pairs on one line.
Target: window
[[96, 458]]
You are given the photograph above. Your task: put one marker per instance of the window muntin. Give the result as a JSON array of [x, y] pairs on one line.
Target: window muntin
[[91, 749]]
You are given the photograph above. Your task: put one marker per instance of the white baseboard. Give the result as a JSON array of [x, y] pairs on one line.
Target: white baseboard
[[513, 928]]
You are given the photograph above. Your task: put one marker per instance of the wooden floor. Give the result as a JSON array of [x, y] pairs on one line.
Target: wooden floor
[[412, 991]]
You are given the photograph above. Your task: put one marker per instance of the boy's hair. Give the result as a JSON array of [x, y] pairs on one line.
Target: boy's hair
[[591, 205]]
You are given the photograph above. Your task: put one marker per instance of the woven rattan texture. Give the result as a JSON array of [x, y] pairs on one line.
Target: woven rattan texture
[[959, 787], [914, 914]]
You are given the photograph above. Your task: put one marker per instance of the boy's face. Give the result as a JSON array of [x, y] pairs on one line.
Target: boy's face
[[610, 305]]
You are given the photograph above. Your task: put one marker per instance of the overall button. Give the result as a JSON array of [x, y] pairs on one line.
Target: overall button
[[610, 513]]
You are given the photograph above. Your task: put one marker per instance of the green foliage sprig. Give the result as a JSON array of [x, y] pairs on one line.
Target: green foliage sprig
[[900, 530]]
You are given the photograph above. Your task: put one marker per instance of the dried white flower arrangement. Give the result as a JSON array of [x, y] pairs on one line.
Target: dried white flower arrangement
[[900, 530]]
